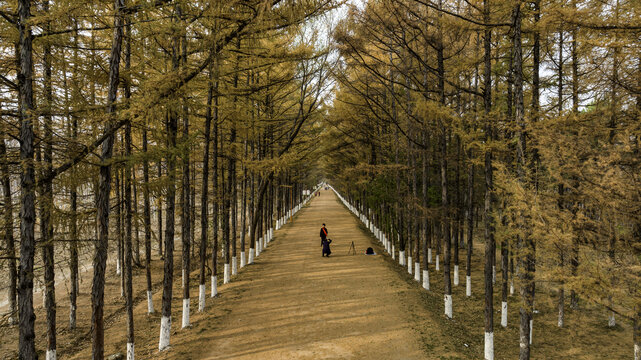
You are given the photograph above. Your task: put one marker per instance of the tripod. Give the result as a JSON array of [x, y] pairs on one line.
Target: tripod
[[352, 249]]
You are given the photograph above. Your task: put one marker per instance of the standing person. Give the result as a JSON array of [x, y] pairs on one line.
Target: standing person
[[323, 234], [325, 244]]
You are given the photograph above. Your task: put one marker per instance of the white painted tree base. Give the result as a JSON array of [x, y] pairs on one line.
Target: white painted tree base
[[234, 266], [456, 279], [489, 345], [417, 272], [401, 258], [242, 259], [130, 351], [251, 257], [259, 246], [201, 297], [637, 352], [438, 264], [511, 287], [560, 318], [72, 317], [429, 255], [51, 354], [185, 313], [393, 253], [504, 313], [150, 302], [165, 331], [468, 286], [448, 306], [409, 265], [226, 275], [611, 320], [531, 330], [426, 279], [214, 286], [118, 270]]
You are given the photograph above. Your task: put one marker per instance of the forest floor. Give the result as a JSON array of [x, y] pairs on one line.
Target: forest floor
[[294, 304]]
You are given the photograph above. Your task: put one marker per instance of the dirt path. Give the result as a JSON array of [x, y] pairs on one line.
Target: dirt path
[[295, 304]]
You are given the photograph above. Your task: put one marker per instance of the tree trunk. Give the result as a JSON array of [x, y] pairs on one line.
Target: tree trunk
[[470, 226], [159, 212], [186, 197], [636, 334], [10, 251], [192, 207], [136, 229], [147, 221], [120, 231], [445, 219], [561, 303], [46, 204], [226, 205], [416, 228], [204, 212], [215, 191], [128, 244], [487, 209], [73, 199], [457, 214], [447, 284], [102, 245], [26, 315], [526, 244], [234, 211], [168, 268], [426, 222], [243, 213]]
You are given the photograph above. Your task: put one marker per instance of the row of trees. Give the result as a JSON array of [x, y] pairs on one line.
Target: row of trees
[[109, 108], [525, 114]]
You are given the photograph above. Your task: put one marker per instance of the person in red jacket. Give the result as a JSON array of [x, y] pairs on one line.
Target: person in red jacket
[[323, 234]]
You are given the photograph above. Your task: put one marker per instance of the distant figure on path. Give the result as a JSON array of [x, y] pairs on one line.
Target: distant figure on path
[[370, 251], [325, 243], [323, 234]]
